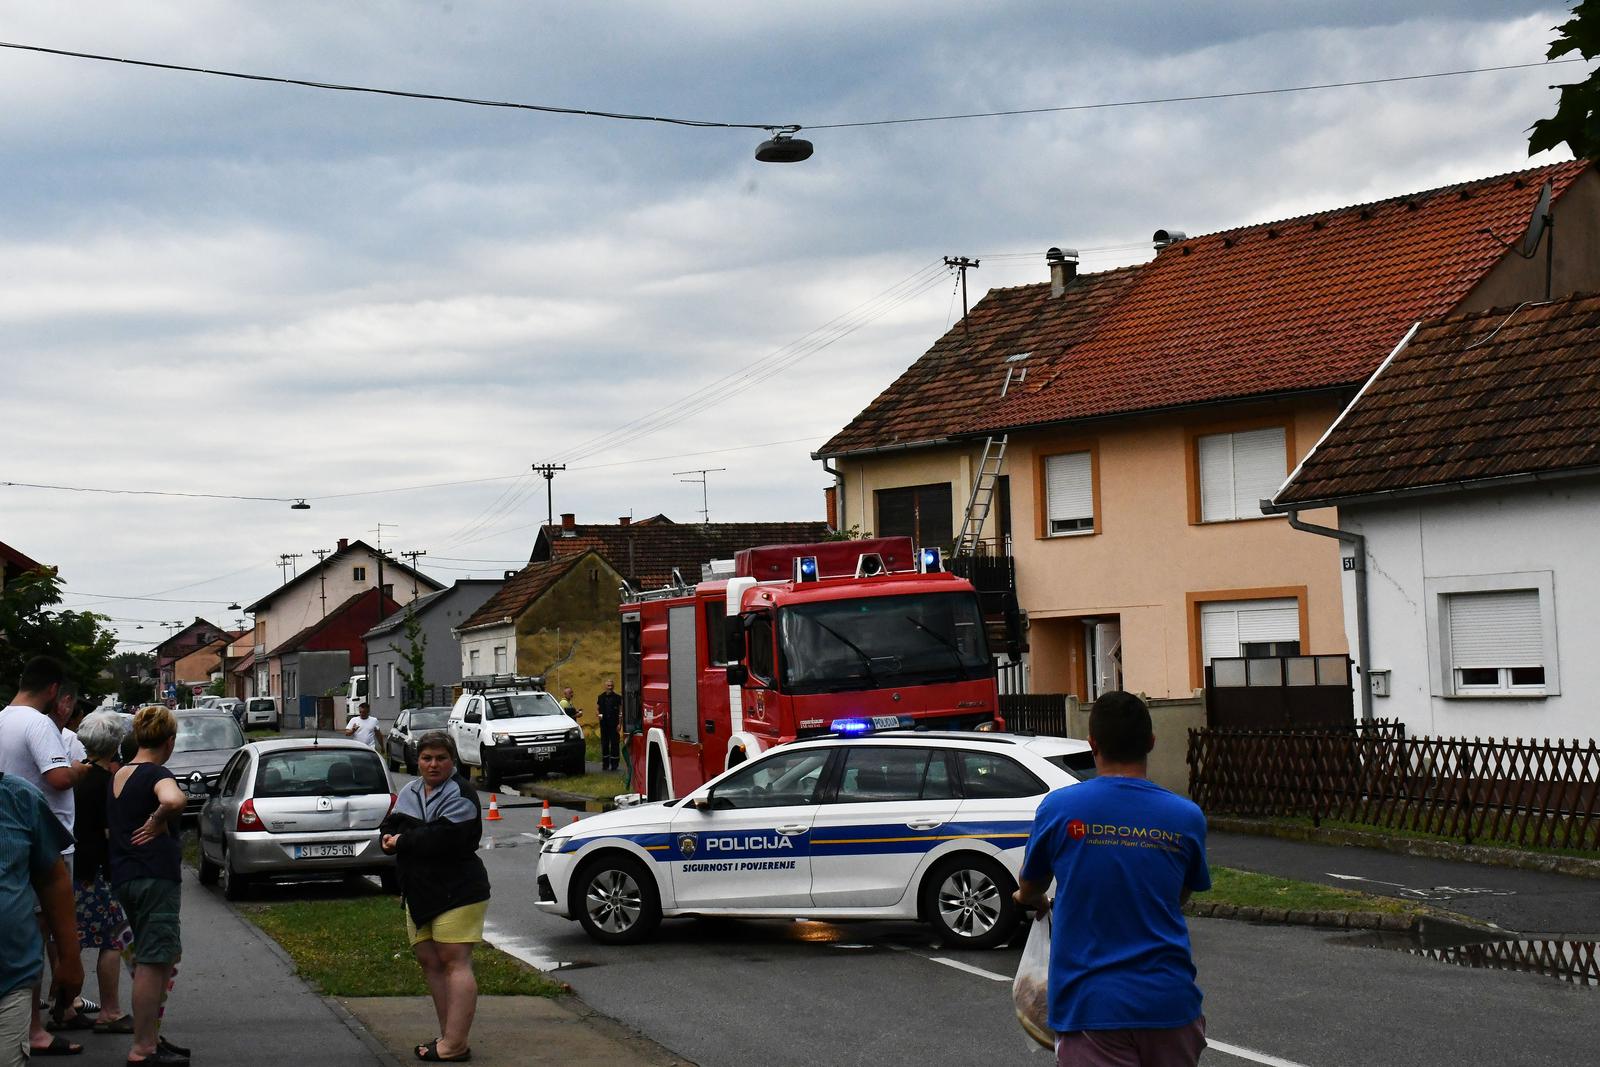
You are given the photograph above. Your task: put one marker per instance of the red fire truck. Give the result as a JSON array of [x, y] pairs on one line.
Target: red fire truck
[[798, 640]]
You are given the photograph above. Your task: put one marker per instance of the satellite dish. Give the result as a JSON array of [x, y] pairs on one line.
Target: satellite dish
[[1537, 224]]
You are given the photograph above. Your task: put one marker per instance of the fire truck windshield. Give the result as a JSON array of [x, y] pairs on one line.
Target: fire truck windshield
[[839, 645]]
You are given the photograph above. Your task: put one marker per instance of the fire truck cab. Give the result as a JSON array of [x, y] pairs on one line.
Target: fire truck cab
[[798, 640]]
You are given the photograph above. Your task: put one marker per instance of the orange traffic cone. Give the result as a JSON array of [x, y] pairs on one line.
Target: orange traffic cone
[[494, 808], [546, 826]]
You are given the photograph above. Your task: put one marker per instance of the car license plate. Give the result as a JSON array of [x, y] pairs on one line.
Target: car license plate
[[314, 852], [885, 722], [544, 750]]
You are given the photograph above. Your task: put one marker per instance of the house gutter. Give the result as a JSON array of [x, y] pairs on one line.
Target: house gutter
[[1363, 645], [838, 493]]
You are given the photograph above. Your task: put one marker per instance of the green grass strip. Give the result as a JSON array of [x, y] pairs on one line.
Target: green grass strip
[[357, 948], [1246, 889]]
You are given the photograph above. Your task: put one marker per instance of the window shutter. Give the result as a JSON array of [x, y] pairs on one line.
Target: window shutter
[[1227, 625], [1069, 486], [1500, 629], [1216, 477], [1258, 469]]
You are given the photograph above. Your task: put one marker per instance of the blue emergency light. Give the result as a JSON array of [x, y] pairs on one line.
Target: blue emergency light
[[850, 727], [805, 569], [931, 561]]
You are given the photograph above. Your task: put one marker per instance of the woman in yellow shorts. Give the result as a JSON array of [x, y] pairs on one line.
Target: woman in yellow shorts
[[433, 834]]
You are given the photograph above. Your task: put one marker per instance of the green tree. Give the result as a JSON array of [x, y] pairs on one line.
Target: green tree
[[1576, 122], [415, 654], [32, 625], [135, 690]]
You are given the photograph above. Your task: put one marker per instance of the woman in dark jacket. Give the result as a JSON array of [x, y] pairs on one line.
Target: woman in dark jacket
[[433, 834]]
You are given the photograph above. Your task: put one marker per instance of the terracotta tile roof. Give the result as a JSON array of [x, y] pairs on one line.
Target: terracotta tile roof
[[960, 373], [520, 591], [14, 562], [1313, 302], [646, 552], [1487, 395]]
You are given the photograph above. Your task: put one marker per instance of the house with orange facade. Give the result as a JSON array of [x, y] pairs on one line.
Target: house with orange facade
[[1123, 426]]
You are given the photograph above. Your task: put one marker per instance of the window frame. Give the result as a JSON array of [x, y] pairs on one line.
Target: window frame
[[1041, 487], [1194, 601], [1444, 679], [1192, 435], [917, 492], [835, 793], [358, 573]]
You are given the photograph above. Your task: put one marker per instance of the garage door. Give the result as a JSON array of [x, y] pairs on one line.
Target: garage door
[[1250, 627]]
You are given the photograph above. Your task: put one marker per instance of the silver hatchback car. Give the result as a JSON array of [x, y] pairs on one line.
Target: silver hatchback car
[[296, 808]]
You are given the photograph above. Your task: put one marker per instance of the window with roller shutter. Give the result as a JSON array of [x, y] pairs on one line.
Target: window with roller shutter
[[1496, 641], [1069, 494], [1230, 628], [1237, 470]]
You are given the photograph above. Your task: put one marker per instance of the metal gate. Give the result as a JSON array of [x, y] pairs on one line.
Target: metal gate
[[1279, 693]]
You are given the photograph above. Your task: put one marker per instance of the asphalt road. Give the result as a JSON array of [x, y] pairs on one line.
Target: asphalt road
[[1534, 903], [726, 993]]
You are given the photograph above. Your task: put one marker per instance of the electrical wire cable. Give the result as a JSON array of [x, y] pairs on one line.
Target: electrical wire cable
[[786, 127], [151, 492]]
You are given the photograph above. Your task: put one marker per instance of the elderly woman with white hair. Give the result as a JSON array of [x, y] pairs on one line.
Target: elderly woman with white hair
[[101, 922]]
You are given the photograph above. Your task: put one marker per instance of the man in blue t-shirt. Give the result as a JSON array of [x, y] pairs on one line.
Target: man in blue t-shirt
[[1124, 854]]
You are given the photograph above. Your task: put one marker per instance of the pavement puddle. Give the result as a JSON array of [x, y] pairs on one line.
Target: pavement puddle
[[1575, 962]]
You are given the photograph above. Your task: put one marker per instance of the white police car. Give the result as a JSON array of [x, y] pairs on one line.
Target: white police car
[[899, 825]]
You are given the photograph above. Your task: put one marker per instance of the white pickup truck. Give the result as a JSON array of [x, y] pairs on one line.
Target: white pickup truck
[[515, 731]]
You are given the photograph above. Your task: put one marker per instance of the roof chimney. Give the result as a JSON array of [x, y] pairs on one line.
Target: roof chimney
[[344, 543], [1063, 268], [625, 520], [1163, 238], [569, 524]]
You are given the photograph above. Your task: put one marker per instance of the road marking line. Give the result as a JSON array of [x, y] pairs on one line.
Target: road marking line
[[1250, 1054], [528, 952], [970, 969]]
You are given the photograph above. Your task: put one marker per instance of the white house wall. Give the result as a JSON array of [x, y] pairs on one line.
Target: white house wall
[[485, 641], [1527, 530]]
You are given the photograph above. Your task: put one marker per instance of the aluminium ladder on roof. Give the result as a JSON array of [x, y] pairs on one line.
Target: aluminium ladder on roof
[[982, 499]]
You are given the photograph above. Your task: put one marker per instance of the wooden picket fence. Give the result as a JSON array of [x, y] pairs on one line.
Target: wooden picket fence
[[1532, 793], [1577, 962]]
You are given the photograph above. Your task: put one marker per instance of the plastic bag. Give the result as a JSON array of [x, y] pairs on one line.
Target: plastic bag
[[1030, 989]]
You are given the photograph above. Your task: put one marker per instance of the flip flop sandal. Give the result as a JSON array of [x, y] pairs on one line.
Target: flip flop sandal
[[79, 1021], [177, 1050], [430, 1053], [59, 1047], [87, 1006], [122, 1024]]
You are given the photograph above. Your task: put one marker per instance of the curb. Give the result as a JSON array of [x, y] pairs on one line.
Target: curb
[[576, 801], [1489, 856], [1387, 922]]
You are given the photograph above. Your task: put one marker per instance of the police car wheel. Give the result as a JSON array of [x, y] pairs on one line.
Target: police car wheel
[[968, 901], [617, 901]]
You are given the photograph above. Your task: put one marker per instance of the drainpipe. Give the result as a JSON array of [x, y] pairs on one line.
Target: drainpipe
[[1359, 543], [838, 494]]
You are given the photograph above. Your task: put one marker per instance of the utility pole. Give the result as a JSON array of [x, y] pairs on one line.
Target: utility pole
[[705, 503], [412, 556], [380, 553], [322, 577], [286, 562], [549, 471], [962, 264]]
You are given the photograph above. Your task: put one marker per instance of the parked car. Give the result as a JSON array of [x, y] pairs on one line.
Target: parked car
[[515, 730], [410, 724], [905, 825], [262, 711], [296, 808], [233, 706], [206, 739]]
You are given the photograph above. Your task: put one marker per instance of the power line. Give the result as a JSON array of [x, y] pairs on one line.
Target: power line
[[775, 126], [405, 93], [150, 492]]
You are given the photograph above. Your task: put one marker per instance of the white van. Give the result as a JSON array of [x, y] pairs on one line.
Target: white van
[[262, 711]]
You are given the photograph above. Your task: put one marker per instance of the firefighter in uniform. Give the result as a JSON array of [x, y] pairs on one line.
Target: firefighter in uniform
[[609, 706]]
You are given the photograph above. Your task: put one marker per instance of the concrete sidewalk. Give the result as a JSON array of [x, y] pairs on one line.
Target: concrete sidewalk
[[1532, 903], [237, 999]]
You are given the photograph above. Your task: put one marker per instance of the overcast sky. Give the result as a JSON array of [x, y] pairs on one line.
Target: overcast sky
[[216, 286]]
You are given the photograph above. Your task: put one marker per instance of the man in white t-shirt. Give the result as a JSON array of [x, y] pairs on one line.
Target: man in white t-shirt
[[31, 748], [364, 728]]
